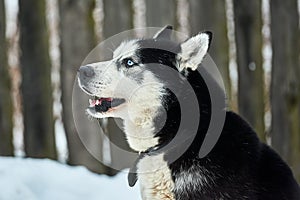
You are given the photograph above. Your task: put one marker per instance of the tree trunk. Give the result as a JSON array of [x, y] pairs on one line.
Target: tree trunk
[[285, 85], [117, 16], [36, 80], [248, 26], [77, 40], [6, 108], [114, 23], [160, 13], [211, 15]]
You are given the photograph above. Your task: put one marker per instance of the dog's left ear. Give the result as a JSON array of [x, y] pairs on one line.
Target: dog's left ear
[[193, 50], [165, 33]]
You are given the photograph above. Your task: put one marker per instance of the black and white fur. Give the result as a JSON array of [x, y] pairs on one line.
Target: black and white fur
[[239, 167]]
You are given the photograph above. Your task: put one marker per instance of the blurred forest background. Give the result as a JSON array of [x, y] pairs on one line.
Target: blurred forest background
[[43, 42]]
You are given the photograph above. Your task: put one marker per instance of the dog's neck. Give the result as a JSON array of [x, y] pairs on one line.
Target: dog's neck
[[155, 126], [140, 127], [140, 137]]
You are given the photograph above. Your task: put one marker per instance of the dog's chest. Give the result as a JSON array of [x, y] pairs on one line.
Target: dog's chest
[[155, 178]]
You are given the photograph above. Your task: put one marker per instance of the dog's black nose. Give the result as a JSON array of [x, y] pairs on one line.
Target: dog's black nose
[[86, 71]]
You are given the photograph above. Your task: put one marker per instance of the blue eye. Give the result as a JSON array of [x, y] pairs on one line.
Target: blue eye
[[130, 62]]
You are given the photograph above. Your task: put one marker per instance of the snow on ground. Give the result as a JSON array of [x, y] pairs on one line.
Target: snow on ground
[[43, 179]]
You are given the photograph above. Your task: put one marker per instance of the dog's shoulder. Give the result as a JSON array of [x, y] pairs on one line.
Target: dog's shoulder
[[239, 167], [266, 171]]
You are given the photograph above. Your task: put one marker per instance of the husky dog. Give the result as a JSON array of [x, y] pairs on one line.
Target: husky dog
[[134, 87]]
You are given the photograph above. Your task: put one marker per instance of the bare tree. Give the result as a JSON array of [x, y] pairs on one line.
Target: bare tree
[[211, 15], [36, 81], [77, 40], [6, 108], [160, 13], [248, 25], [285, 85], [117, 16]]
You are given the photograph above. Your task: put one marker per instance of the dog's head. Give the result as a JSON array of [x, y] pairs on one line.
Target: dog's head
[[130, 78], [133, 83]]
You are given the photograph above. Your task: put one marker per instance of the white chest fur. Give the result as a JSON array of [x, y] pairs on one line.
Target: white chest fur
[[155, 178]]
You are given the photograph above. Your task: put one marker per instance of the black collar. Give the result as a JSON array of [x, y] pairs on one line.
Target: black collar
[[132, 174]]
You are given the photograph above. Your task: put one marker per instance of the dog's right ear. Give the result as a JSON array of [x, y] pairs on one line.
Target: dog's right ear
[[193, 50], [165, 33]]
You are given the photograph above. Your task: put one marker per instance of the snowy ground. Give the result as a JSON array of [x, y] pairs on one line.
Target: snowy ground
[[43, 179]]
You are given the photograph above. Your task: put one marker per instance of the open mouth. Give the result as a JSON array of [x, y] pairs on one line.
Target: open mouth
[[104, 104]]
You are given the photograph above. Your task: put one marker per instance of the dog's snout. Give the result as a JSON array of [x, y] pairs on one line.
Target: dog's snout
[[87, 71]]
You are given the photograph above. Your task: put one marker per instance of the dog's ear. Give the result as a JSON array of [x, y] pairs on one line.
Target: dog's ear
[[193, 50], [165, 33]]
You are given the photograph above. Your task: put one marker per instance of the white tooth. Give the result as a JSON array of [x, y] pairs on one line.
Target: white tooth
[[97, 102]]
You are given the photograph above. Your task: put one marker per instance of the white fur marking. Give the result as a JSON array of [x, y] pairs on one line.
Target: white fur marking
[[155, 178], [193, 51]]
